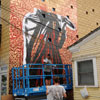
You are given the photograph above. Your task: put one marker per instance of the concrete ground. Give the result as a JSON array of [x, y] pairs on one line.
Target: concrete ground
[[37, 98], [31, 98]]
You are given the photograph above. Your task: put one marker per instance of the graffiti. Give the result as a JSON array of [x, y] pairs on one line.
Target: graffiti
[[44, 33]]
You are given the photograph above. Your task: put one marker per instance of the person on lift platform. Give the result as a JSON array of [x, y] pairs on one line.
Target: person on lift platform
[[47, 69]]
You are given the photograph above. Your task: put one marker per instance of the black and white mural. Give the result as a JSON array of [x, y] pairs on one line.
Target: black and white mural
[[44, 33]]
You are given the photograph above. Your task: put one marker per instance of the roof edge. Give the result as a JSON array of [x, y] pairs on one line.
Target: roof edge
[[84, 37]]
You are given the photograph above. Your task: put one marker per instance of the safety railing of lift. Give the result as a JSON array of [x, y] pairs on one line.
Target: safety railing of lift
[[29, 79]]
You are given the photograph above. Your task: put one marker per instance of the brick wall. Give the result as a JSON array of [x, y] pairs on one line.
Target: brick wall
[[12, 37], [20, 9]]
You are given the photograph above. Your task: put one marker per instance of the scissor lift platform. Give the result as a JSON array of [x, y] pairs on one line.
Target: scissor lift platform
[[33, 74]]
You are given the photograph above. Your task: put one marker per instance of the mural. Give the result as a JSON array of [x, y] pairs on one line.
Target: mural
[[48, 31], [37, 31]]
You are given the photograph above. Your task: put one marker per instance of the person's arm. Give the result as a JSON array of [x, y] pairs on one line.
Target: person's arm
[[64, 93], [45, 60], [47, 92]]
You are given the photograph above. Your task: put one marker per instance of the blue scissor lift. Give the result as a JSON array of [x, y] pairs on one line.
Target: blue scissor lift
[[29, 79]]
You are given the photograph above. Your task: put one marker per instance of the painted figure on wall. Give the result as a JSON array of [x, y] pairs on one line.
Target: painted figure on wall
[[44, 33]]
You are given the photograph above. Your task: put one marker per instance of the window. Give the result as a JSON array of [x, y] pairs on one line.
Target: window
[[3, 68], [43, 0], [85, 72], [3, 80], [43, 15], [53, 9], [4, 84]]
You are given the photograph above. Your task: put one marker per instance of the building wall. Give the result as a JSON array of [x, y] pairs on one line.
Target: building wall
[[7, 97], [0, 12], [89, 49], [19, 9], [11, 50], [39, 46], [88, 16], [4, 49]]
